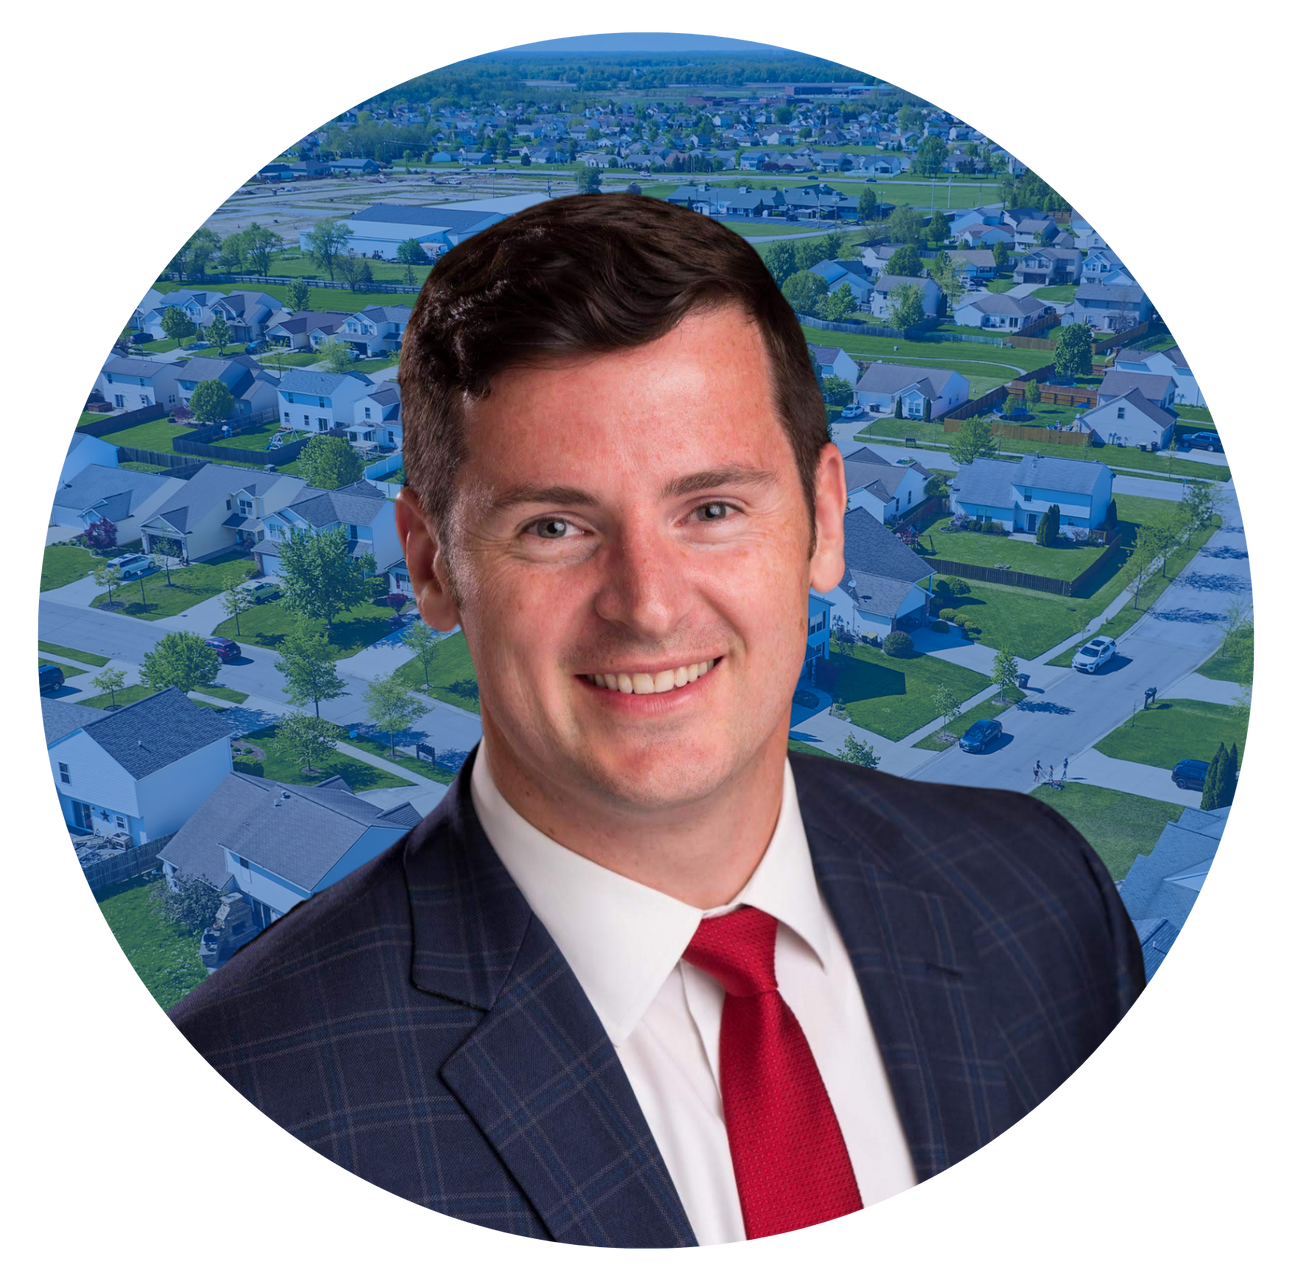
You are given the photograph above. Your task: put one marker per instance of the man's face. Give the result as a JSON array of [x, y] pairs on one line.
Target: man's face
[[634, 522]]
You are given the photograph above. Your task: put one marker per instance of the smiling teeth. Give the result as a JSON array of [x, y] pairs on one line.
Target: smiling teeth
[[646, 683]]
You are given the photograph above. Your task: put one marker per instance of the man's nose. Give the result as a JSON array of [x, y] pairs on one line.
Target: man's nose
[[645, 585]]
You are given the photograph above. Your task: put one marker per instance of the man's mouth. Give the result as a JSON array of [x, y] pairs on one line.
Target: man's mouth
[[652, 682]]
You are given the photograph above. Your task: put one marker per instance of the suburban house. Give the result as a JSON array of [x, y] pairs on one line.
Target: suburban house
[[1158, 388], [361, 509], [886, 586], [834, 362], [248, 314], [83, 451], [1000, 311], [140, 770], [127, 382], [196, 304], [884, 386], [351, 167], [378, 418], [151, 301], [981, 216], [218, 509], [979, 235], [1113, 307], [818, 635], [253, 388], [374, 331], [883, 303], [1100, 264], [836, 274], [973, 265], [126, 498], [277, 844], [313, 401], [886, 490], [1017, 494], [303, 330], [1031, 233], [882, 163], [1049, 266], [1132, 408], [1162, 886], [1172, 362], [378, 231]]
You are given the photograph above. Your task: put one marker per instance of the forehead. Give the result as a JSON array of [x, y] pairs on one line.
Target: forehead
[[700, 396]]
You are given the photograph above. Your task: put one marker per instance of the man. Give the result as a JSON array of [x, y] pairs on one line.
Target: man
[[641, 980]]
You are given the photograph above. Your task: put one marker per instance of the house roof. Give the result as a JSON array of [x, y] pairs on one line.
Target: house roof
[[1137, 400], [446, 217], [985, 482], [879, 565], [62, 718], [1067, 475], [311, 382], [356, 504], [865, 469], [133, 367], [885, 379], [211, 486], [886, 284], [94, 485], [1121, 295], [1007, 305], [301, 322], [1117, 382], [157, 731], [1165, 882], [297, 833], [393, 314]]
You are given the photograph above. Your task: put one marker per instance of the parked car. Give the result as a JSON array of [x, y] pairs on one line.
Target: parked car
[[1189, 775], [978, 735], [226, 648], [853, 411], [51, 678], [263, 592], [1094, 654], [198, 346], [1208, 440], [255, 348], [133, 565]]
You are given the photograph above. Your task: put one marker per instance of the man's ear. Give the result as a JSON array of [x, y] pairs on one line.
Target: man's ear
[[827, 566], [424, 554]]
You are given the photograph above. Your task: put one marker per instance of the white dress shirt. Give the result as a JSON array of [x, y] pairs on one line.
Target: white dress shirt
[[624, 941]]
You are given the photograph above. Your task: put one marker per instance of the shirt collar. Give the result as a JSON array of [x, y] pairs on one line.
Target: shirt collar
[[622, 938]]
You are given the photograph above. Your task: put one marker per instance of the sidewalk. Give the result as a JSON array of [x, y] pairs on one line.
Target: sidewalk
[[1203, 689], [1095, 768]]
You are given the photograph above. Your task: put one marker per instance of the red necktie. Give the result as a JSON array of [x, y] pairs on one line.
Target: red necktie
[[792, 1166]]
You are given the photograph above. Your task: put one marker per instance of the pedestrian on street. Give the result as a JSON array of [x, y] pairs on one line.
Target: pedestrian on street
[[1036, 772], [1065, 770], [1051, 780]]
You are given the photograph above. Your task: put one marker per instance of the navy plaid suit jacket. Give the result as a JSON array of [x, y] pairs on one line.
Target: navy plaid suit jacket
[[416, 1024]]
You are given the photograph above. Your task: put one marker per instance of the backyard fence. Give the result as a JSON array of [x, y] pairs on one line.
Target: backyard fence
[[1021, 431], [102, 869], [1032, 344], [1039, 326], [874, 331], [1056, 394], [1015, 578], [929, 507], [368, 287], [119, 422], [988, 400]]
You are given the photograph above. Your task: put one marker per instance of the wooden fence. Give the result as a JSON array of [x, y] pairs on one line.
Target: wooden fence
[[368, 286], [1021, 431], [1016, 578], [102, 870], [874, 331], [1056, 394], [989, 400], [1039, 326], [119, 422], [1032, 344]]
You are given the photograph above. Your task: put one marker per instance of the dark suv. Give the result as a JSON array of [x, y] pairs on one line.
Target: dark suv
[[51, 677], [1189, 775], [226, 649]]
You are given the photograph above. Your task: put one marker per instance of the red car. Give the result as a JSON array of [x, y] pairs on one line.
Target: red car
[[226, 649]]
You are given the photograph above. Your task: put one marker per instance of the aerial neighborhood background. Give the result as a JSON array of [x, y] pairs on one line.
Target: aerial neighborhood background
[[1046, 585]]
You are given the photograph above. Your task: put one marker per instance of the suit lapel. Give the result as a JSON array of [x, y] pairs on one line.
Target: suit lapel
[[537, 1074], [916, 964]]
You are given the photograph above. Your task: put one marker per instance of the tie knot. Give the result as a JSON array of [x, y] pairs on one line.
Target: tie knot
[[738, 949]]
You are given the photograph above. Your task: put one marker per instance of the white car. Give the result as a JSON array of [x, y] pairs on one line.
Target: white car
[[853, 411], [1094, 654]]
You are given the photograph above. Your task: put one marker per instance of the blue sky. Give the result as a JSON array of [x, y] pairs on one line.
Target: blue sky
[[644, 42]]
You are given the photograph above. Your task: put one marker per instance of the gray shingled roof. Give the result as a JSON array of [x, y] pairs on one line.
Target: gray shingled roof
[[1117, 382], [298, 833], [865, 469], [886, 284], [133, 367], [1068, 475], [96, 483], [885, 379], [207, 489], [355, 504], [311, 383], [985, 482], [1121, 295], [424, 216], [879, 565], [62, 718], [1137, 400], [1008, 305], [380, 314], [157, 731]]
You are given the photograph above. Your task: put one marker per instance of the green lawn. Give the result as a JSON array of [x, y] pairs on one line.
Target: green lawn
[[283, 768], [1194, 414], [453, 675], [1025, 622], [894, 696], [133, 693], [1118, 825], [808, 750], [81, 655], [1221, 667], [65, 563], [406, 759], [989, 708], [320, 299], [66, 668], [151, 597], [971, 359], [164, 956], [1002, 286], [1065, 561], [154, 468], [157, 435], [1055, 293], [258, 439], [269, 624], [1171, 730], [87, 418]]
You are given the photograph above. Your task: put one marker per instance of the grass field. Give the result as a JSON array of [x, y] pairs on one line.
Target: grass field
[[808, 750], [1065, 561], [133, 693], [988, 709], [64, 563], [453, 675], [268, 625], [151, 597], [974, 360], [1055, 293], [164, 956], [320, 299], [405, 759], [1173, 729], [80, 655], [157, 435], [1221, 667], [1118, 825], [283, 768]]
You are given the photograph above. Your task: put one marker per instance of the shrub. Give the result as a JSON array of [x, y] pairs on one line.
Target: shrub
[[954, 586], [898, 645], [937, 625], [249, 765], [995, 527], [961, 620], [975, 526], [949, 615]]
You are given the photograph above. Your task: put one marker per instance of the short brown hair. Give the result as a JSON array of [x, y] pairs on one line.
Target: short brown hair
[[578, 276]]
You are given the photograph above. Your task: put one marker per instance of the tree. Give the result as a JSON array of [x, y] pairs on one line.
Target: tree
[[325, 241], [298, 295], [231, 251], [176, 325], [110, 681], [422, 640], [909, 308], [108, 576], [1200, 505], [219, 333], [1047, 529], [1072, 351], [837, 391], [305, 660], [1004, 670], [410, 251], [587, 179], [930, 156], [868, 202], [170, 550], [328, 462], [939, 228], [947, 275], [259, 245], [780, 260], [1032, 391], [335, 356], [191, 904], [320, 578], [305, 739], [211, 401], [236, 601], [805, 291], [1110, 516], [1237, 622], [1012, 405], [355, 272], [1143, 560], [840, 304], [196, 252], [100, 535], [999, 254], [858, 752], [946, 703], [975, 439], [392, 707], [181, 659], [1214, 782], [906, 261], [905, 226]]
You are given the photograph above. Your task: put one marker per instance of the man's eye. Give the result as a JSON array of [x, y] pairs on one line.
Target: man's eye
[[713, 511], [553, 530]]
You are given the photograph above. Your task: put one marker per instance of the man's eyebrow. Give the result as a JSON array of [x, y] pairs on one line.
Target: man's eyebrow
[[567, 496]]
